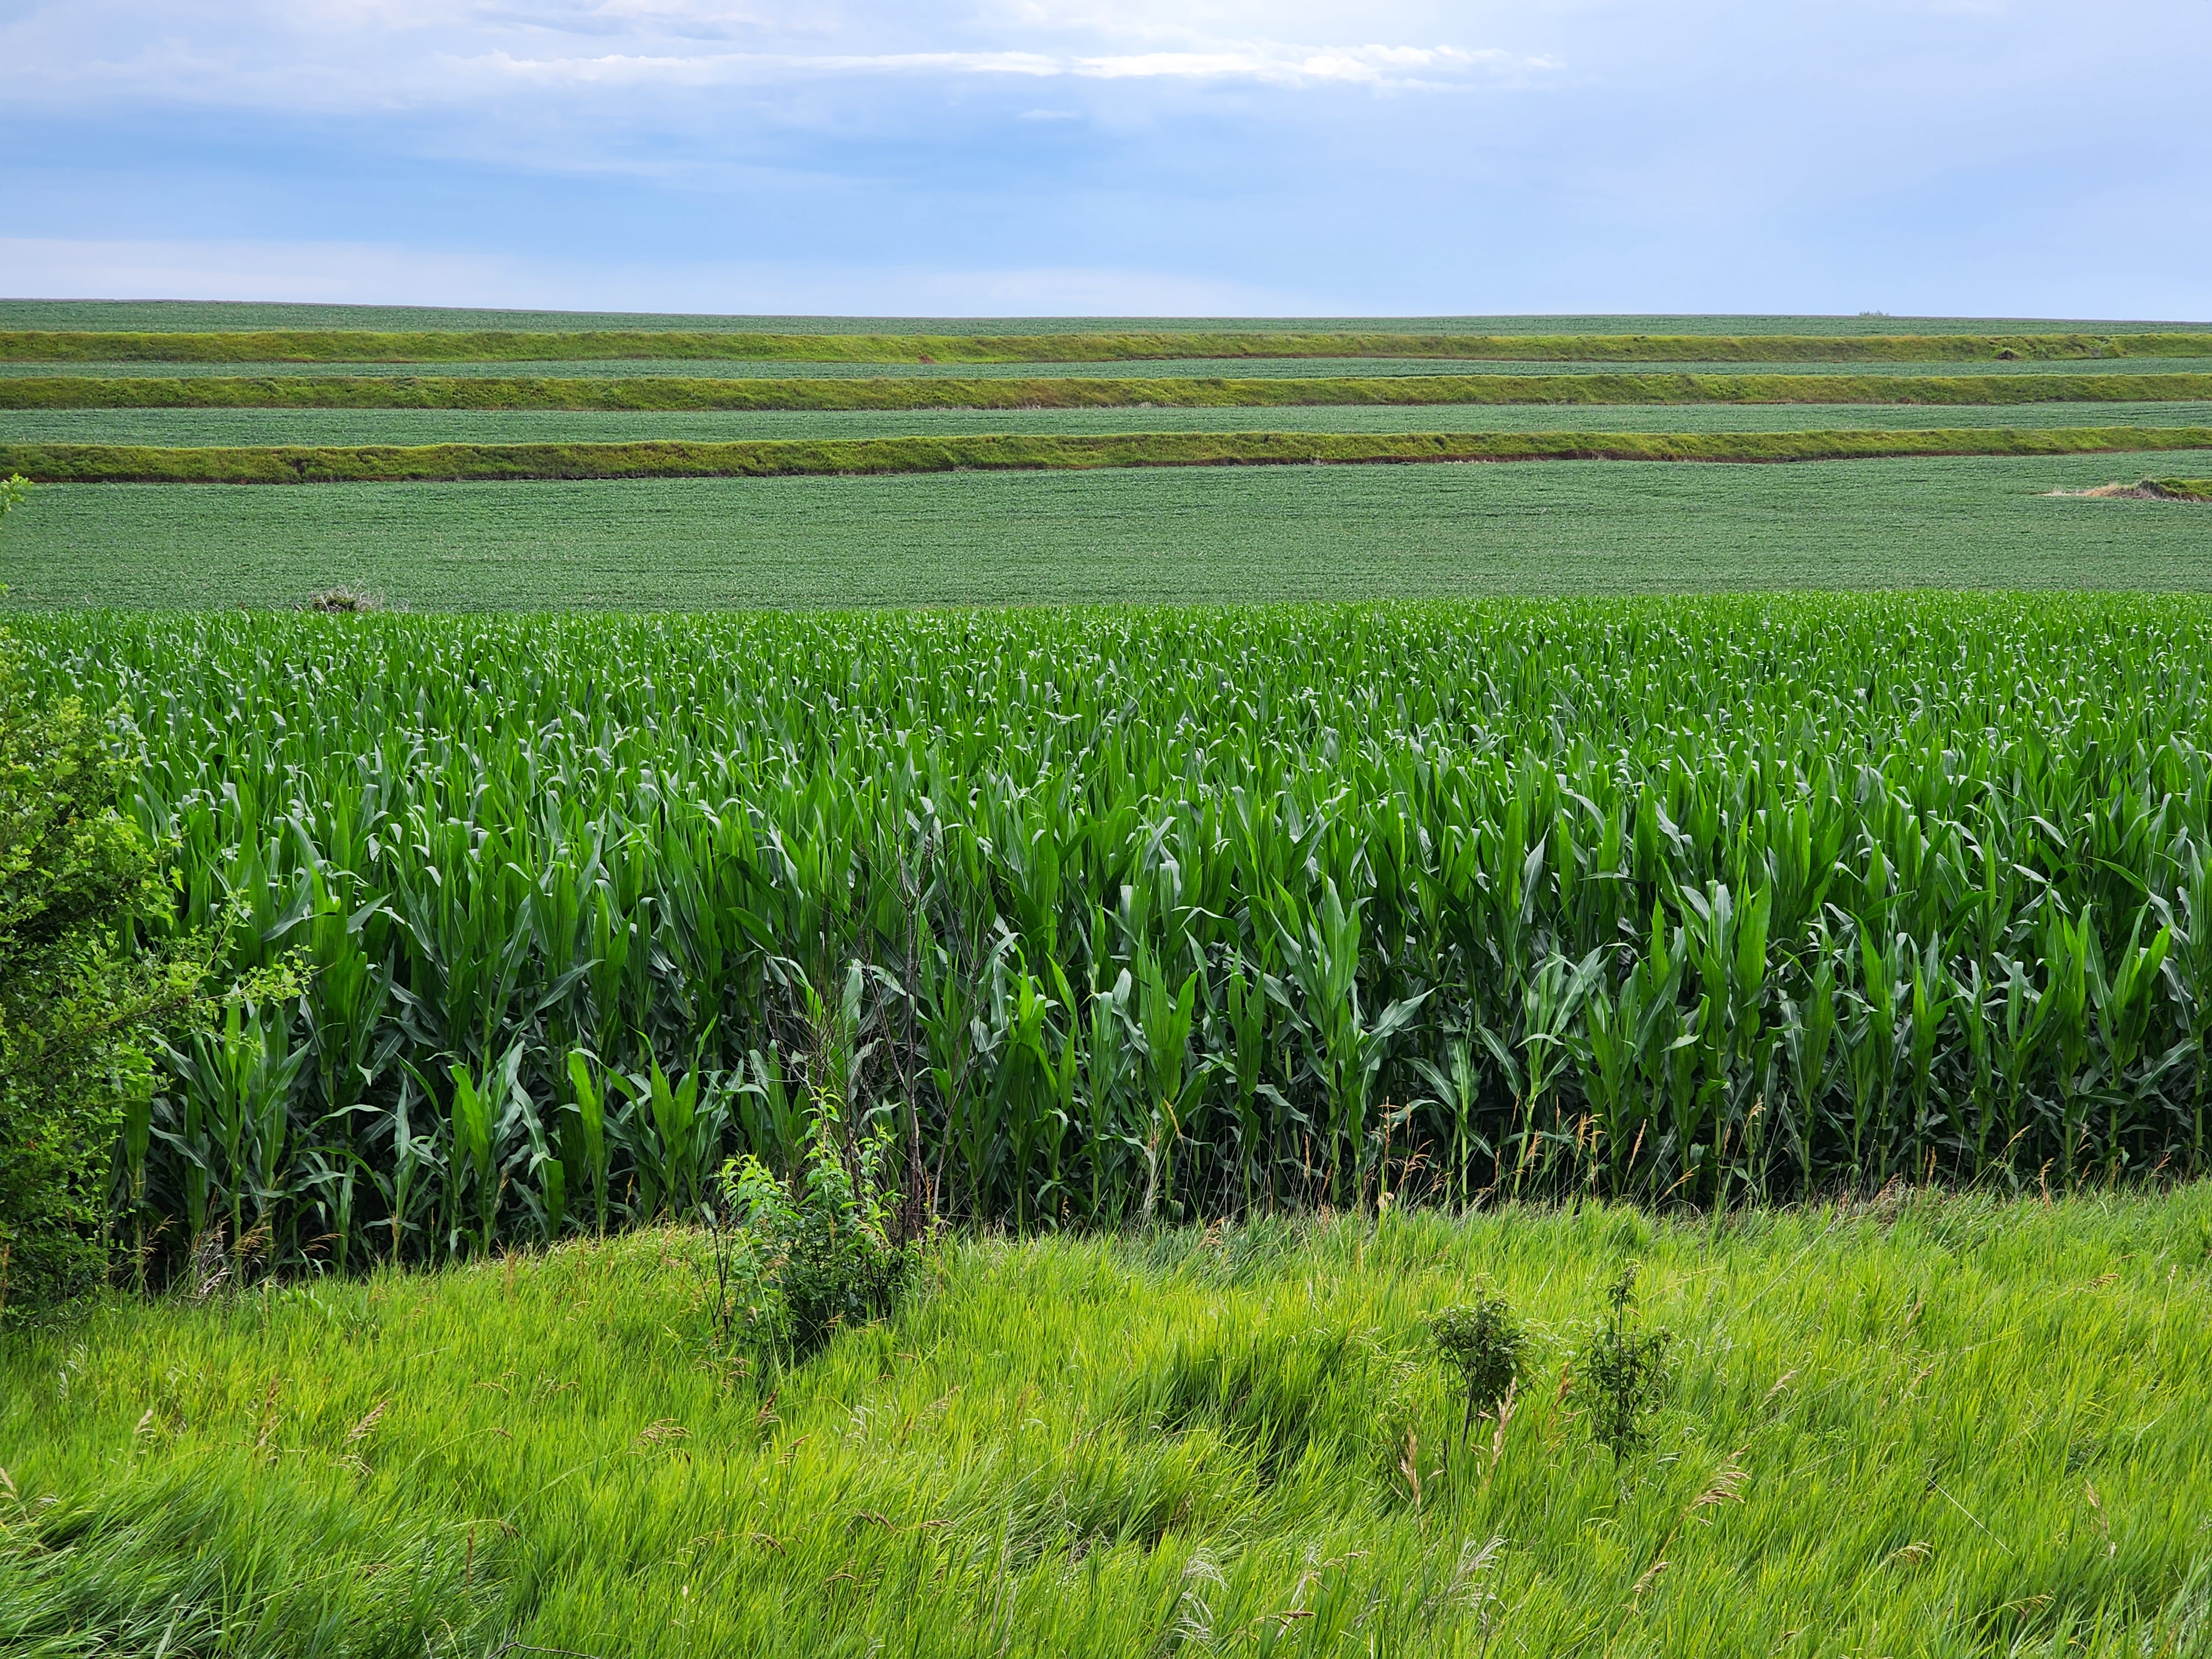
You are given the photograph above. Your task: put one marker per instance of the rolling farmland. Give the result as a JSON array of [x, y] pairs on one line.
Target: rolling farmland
[[793, 395], [1155, 912]]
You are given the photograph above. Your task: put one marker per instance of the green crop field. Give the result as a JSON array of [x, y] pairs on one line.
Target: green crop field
[[2020, 390], [1256, 368], [167, 428], [1433, 823], [668, 394], [1926, 1427], [1211, 536]]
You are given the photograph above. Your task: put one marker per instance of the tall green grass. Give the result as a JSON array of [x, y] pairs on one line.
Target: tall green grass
[[74, 463], [1923, 1427], [365, 346], [671, 392], [1142, 916]]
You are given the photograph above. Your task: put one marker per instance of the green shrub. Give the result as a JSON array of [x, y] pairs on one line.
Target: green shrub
[[1485, 1343], [1621, 1376], [813, 1254], [76, 877]]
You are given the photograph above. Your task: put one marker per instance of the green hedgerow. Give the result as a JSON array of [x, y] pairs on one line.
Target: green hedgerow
[[76, 877]]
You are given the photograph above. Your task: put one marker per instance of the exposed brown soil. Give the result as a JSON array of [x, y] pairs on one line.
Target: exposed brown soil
[[2148, 489]]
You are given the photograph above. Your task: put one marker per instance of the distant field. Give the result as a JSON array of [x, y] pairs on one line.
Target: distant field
[[412, 426], [444, 345], [298, 464], [1213, 537], [1251, 368], [673, 394], [176, 315], [1101, 387]]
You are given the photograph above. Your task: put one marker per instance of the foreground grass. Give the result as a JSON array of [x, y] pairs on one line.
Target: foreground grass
[[1212, 535], [676, 393], [366, 346], [1943, 1427], [66, 463]]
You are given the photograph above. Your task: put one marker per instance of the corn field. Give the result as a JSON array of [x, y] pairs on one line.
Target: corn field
[[1105, 918]]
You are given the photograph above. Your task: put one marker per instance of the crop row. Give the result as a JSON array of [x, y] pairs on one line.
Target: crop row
[[1103, 915], [93, 463], [670, 392], [365, 346]]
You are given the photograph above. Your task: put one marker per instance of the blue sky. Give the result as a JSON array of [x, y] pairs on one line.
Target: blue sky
[[1003, 157]]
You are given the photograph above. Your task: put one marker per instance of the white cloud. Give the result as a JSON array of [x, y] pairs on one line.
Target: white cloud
[[1264, 61], [370, 273], [972, 155], [324, 56], [350, 272], [720, 68]]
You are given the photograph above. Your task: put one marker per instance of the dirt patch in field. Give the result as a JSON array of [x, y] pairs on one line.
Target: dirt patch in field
[[2195, 491]]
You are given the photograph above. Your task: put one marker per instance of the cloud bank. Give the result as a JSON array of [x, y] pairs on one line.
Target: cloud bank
[[1406, 157]]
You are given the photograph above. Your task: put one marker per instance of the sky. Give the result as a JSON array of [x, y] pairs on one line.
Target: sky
[[1116, 157]]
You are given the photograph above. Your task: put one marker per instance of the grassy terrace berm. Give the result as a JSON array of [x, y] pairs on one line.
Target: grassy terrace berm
[[673, 393], [962, 1134], [68, 463], [343, 345]]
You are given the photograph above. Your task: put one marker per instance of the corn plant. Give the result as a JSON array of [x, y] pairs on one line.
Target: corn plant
[[1166, 913]]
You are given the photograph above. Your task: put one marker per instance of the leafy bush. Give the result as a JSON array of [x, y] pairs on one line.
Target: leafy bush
[[1621, 1376], [814, 1255], [13, 490], [76, 877], [1485, 1342]]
